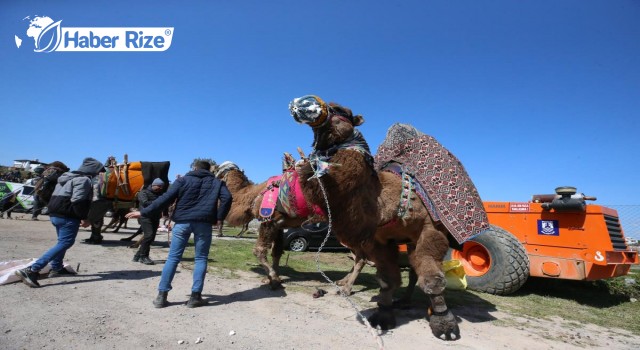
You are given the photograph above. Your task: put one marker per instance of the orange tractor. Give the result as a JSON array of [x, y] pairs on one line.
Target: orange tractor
[[552, 236]]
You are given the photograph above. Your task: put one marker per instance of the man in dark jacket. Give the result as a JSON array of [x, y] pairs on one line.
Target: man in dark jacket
[[197, 209], [68, 209], [149, 223]]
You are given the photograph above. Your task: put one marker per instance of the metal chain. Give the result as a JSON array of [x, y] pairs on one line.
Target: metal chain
[[372, 330]]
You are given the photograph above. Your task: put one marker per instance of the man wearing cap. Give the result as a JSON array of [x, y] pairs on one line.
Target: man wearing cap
[[150, 222], [68, 209]]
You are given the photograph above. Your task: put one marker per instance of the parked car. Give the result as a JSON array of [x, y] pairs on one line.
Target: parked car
[[300, 239]]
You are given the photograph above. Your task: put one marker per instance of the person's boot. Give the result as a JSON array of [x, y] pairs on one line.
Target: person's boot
[[136, 258], [146, 260], [30, 278], [61, 272], [196, 300], [161, 300], [93, 240]]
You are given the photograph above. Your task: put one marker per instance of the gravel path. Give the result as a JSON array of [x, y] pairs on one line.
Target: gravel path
[[108, 306]]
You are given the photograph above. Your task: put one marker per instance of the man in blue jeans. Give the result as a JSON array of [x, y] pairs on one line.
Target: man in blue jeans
[[196, 210], [68, 209]]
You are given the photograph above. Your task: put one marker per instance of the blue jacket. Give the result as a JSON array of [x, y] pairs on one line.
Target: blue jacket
[[198, 193]]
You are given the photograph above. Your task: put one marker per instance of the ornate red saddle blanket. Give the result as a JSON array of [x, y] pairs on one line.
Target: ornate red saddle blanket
[[284, 193]]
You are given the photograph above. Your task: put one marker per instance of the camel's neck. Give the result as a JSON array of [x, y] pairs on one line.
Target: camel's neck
[[236, 181], [355, 142]]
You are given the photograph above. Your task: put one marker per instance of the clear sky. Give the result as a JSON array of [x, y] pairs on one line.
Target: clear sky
[[529, 95]]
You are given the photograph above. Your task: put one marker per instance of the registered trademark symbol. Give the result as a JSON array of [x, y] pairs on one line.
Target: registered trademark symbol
[[167, 32]]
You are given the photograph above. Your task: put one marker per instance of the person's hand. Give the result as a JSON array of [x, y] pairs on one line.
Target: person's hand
[[85, 223], [133, 214]]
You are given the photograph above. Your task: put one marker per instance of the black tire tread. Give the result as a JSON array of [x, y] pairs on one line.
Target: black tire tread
[[510, 268]]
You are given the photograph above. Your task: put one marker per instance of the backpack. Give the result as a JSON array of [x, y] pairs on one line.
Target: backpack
[[47, 183]]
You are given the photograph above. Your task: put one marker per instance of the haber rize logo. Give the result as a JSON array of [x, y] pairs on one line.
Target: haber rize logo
[[49, 35]]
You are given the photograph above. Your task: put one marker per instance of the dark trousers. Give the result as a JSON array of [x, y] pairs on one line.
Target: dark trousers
[[37, 207], [149, 229]]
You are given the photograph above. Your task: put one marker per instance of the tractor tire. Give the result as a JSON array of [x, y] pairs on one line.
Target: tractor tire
[[495, 262]]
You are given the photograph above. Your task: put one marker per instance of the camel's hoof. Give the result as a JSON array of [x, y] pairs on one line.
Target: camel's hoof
[[444, 324], [402, 304], [344, 291], [383, 318], [275, 285]]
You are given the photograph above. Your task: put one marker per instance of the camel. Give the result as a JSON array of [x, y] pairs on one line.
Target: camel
[[247, 198], [120, 183], [372, 211]]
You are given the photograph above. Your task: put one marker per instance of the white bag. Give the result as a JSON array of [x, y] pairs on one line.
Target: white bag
[[8, 269]]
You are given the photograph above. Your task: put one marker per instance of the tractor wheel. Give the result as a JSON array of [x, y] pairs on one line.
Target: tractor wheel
[[495, 262]]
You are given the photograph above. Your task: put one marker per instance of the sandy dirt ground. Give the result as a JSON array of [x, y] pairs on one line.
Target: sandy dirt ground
[[108, 306]]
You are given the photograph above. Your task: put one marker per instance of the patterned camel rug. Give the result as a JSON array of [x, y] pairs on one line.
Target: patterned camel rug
[[454, 196]]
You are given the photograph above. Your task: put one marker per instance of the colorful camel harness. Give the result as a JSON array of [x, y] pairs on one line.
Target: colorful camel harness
[[285, 192]]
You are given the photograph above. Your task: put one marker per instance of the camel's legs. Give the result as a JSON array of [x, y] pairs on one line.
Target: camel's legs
[[220, 234], [405, 300], [244, 229], [427, 262], [347, 281], [266, 238], [388, 275], [277, 251]]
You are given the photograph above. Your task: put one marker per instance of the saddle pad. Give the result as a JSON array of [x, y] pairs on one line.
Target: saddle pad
[[270, 197], [446, 182]]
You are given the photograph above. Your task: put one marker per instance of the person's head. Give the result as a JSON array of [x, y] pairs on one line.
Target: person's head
[[157, 185], [90, 166], [202, 164], [60, 165]]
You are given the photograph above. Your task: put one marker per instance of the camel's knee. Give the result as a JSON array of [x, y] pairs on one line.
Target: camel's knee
[[433, 284]]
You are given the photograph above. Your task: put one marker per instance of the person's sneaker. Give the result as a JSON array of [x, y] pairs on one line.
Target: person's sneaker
[[35, 219], [196, 300], [136, 258], [61, 272], [161, 300], [30, 278], [146, 260]]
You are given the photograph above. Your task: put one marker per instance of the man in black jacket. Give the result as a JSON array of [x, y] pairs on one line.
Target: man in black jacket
[[149, 223], [68, 209], [197, 210]]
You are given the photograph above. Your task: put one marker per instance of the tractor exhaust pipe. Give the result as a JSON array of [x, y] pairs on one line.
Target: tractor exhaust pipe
[[566, 199]]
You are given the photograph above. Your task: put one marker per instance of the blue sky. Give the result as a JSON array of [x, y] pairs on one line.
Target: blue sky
[[529, 95]]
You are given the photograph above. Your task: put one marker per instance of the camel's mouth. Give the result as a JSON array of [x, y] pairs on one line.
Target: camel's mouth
[[309, 109]]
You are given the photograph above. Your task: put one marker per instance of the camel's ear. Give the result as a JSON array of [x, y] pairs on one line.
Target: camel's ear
[[358, 120]]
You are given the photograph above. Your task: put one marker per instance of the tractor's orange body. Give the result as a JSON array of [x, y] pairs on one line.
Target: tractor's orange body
[[576, 245]]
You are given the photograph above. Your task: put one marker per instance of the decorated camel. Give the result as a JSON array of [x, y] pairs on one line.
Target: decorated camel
[[264, 201], [116, 189], [420, 194]]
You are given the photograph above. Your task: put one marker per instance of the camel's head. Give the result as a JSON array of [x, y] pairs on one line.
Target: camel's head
[[224, 167], [332, 123]]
